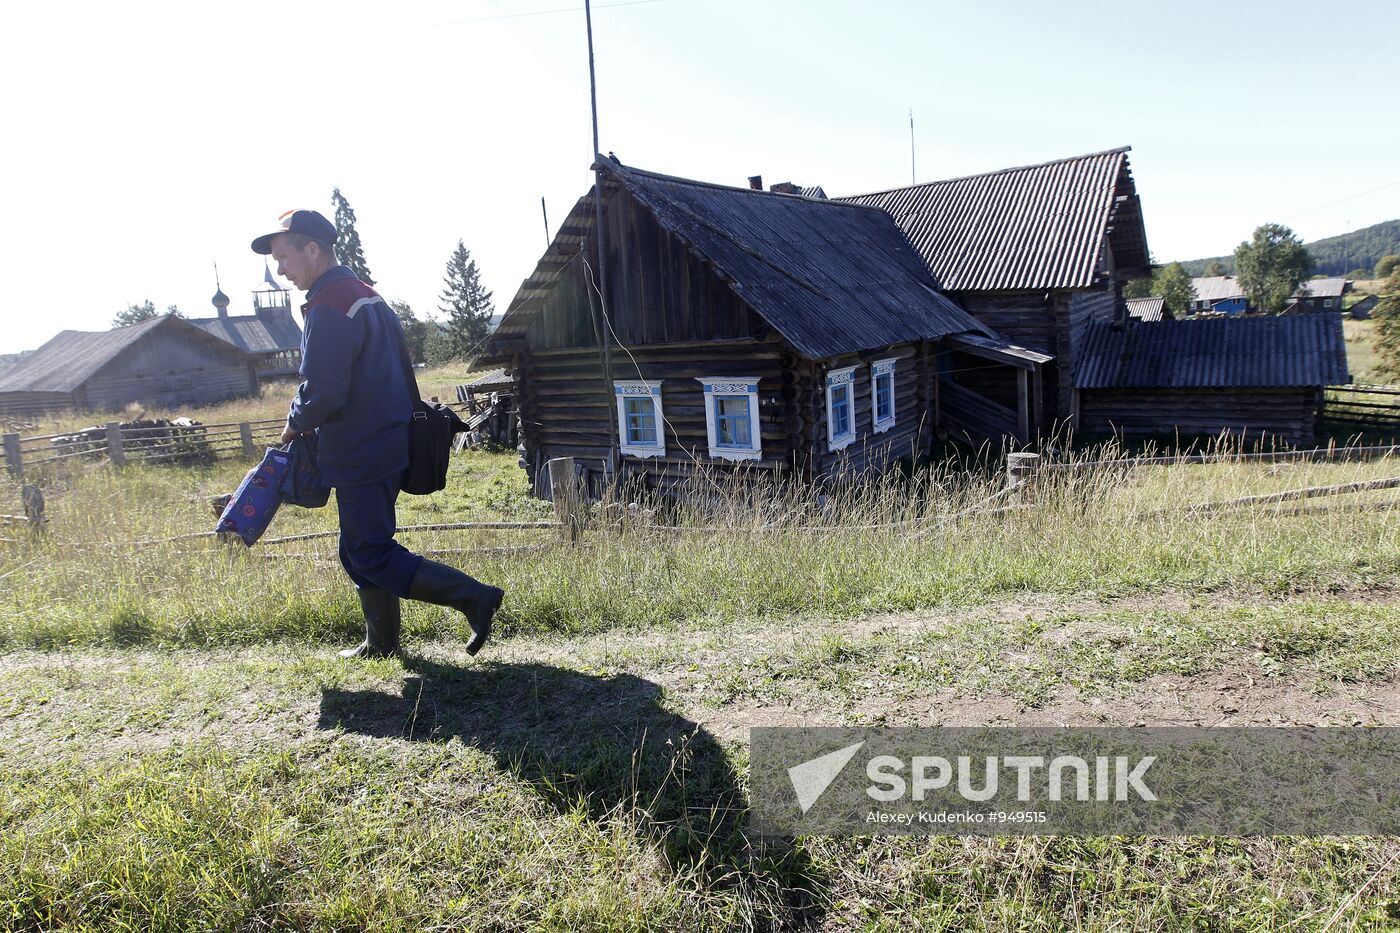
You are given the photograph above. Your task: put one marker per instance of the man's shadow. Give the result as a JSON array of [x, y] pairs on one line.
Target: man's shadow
[[604, 741]]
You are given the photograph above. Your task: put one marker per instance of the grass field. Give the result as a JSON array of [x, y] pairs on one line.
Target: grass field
[[1362, 359], [180, 748]]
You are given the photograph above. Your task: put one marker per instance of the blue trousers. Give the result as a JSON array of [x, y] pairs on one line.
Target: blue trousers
[[368, 551]]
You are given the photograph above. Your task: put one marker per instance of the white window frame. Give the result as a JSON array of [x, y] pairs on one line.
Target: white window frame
[[1327, 302], [846, 376], [878, 370], [716, 386], [639, 388]]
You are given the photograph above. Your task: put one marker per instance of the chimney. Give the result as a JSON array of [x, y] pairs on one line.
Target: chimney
[[756, 182], [786, 187]]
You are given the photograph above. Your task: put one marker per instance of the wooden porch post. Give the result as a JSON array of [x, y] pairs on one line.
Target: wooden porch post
[[1023, 405]]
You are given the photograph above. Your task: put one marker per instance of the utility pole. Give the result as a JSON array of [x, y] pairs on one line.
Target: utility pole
[[601, 324]]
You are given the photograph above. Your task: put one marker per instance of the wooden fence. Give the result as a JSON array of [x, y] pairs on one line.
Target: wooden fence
[[1362, 407], [179, 441]]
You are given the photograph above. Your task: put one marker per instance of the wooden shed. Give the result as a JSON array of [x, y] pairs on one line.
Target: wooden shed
[[165, 361], [742, 328], [1034, 252], [1259, 378]]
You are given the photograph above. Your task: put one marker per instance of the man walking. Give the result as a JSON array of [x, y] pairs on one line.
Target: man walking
[[355, 397]]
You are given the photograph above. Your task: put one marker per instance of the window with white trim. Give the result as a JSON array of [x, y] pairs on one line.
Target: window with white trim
[[882, 394], [731, 417], [840, 407], [640, 425], [1327, 302]]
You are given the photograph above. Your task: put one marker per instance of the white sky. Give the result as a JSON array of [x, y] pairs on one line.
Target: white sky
[[146, 141]]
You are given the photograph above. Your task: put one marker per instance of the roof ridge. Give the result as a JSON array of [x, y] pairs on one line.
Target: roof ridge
[[612, 165], [1120, 150]]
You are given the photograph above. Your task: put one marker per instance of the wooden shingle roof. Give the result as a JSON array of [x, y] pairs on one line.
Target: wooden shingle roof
[[73, 356], [1223, 352], [266, 333], [832, 278], [1027, 228]]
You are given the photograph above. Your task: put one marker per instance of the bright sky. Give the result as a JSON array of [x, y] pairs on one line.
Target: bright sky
[[148, 141]]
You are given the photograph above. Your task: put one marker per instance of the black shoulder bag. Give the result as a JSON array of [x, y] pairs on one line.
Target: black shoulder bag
[[429, 437]]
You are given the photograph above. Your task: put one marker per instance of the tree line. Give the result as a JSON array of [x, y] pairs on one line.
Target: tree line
[[466, 306]]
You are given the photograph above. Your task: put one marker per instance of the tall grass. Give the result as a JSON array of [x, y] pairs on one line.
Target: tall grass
[[106, 571]]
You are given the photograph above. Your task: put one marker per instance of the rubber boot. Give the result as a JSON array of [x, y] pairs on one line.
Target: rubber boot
[[382, 624], [447, 586]]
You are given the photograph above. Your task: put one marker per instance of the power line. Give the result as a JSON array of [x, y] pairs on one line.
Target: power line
[[1344, 200]]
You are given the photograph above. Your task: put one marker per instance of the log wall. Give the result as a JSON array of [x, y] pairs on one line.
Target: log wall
[[1288, 414], [913, 428], [167, 367]]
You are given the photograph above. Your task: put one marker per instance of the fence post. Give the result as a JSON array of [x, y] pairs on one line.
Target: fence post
[[14, 458], [245, 431], [1021, 469], [114, 443], [563, 489], [33, 506]]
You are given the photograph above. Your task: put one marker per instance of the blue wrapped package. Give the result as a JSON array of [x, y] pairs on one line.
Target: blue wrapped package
[[255, 502]]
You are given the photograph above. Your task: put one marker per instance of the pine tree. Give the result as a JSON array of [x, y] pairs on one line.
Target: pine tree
[[467, 305], [348, 250]]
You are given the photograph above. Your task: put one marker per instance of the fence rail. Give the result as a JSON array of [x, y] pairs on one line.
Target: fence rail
[[1363, 406], [162, 443]]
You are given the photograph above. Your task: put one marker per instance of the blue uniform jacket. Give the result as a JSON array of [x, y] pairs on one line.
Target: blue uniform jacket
[[354, 394]]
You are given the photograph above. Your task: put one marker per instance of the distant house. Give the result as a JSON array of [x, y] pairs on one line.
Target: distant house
[[1148, 309], [1258, 378], [163, 362], [1322, 294], [1219, 293], [270, 333], [785, 334], [1034, 253], [1363, 308]]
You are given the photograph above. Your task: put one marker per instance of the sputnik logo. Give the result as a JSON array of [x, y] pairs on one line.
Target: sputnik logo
[[811, 778]]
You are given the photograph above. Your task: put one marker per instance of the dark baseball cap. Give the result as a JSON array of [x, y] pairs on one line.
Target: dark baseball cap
[[307, 223]]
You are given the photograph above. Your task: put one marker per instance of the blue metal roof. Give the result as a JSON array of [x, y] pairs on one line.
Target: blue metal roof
[[1233, 352]]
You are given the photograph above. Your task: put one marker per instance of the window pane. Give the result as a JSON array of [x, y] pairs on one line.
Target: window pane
[[884, 397], [641, 421], [732, 428], [840, 411]]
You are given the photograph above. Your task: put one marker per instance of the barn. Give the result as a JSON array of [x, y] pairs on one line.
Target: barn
[[1257, 378], [163, 362], [746, 330]]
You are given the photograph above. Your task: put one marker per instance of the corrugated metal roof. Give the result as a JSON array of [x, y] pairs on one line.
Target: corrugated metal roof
[[1033, 227], [1215, 288], [831, 278], [1333, 287], [1226, 352], [272, 331], [73, 356], [1146, 309]]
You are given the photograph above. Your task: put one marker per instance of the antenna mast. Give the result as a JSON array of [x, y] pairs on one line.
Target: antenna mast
[[912, 181]]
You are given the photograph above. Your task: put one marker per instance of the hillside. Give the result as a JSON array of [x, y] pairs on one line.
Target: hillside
[[1334, 255]]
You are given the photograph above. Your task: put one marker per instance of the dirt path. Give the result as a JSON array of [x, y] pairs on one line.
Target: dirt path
[[725, 679]]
